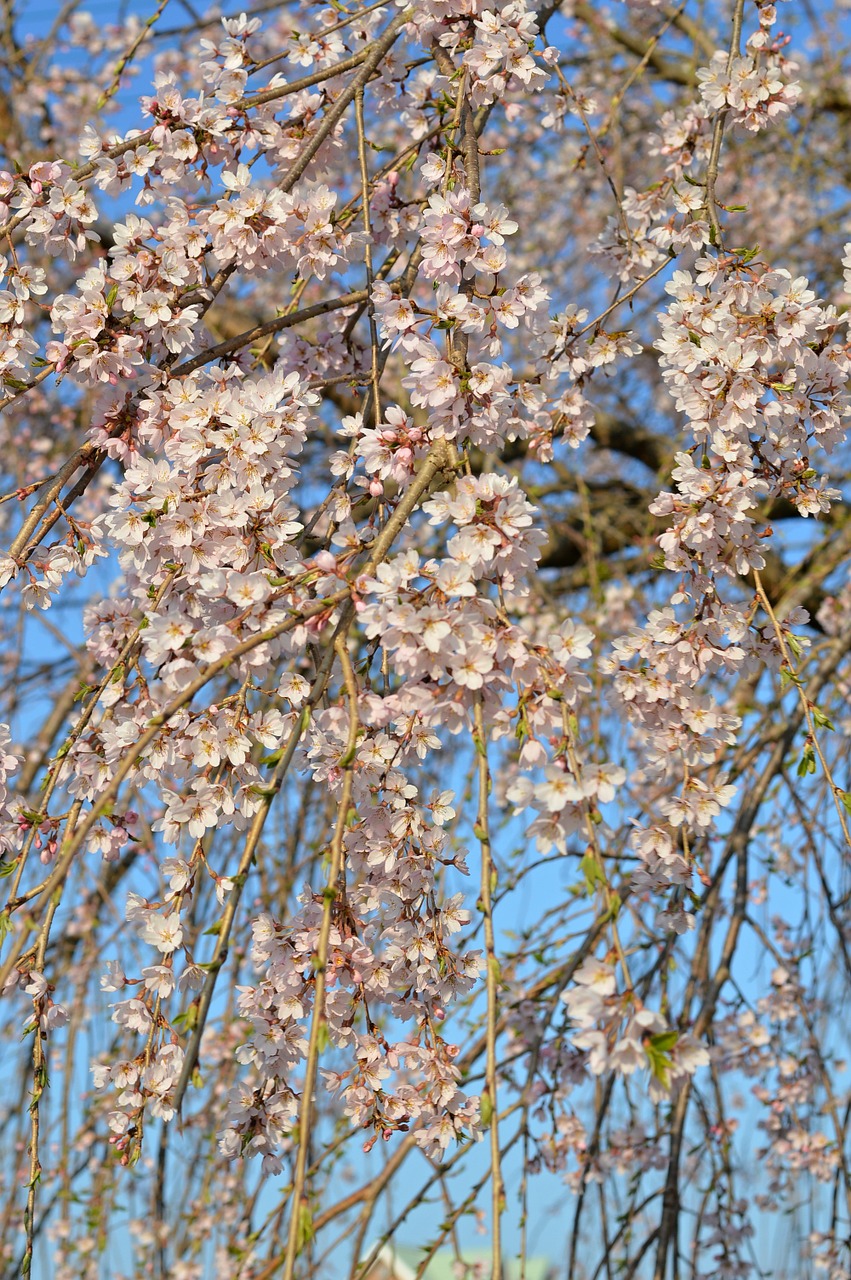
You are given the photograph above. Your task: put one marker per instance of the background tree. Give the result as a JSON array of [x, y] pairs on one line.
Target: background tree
[[426, 636]]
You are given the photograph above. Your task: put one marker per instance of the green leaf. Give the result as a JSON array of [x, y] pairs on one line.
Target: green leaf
[[188, 1019], [747, 255], [614, 907], [657, 1049], [305, 1226], [590, 868], [807, 763]]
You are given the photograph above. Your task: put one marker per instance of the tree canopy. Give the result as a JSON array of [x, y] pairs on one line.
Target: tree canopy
[[425, 619]]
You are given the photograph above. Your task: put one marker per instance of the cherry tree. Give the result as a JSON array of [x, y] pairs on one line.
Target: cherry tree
[[425, 636]]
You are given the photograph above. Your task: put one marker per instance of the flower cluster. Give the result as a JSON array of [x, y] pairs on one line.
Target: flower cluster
[[215, 512], [618, 1034], [497, 43], [748, 356], [389, 951], [256, 230], [464, 242], [756, 87], [446, 634]]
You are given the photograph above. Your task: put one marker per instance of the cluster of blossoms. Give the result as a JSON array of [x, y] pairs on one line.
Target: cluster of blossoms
[[56, 210], [479, 300], [636, 243], [611, 1032], [571, 787], [205, 540], [562, 1142], [756, 92], [619, 1035], [256, 230], [47, 1015], [390, 962], [229, 57], [225, 56], [476, 300], [144, 1084], [495, 41], [446, 636], [763, 1045], [20, 283], [124, 318], [748, 355], [216, 513], [789, 1090], [8, 819], [567, 352], [757, 87]]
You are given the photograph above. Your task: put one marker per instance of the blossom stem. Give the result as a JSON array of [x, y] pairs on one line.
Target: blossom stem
[[488, 875], [331, 895]]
